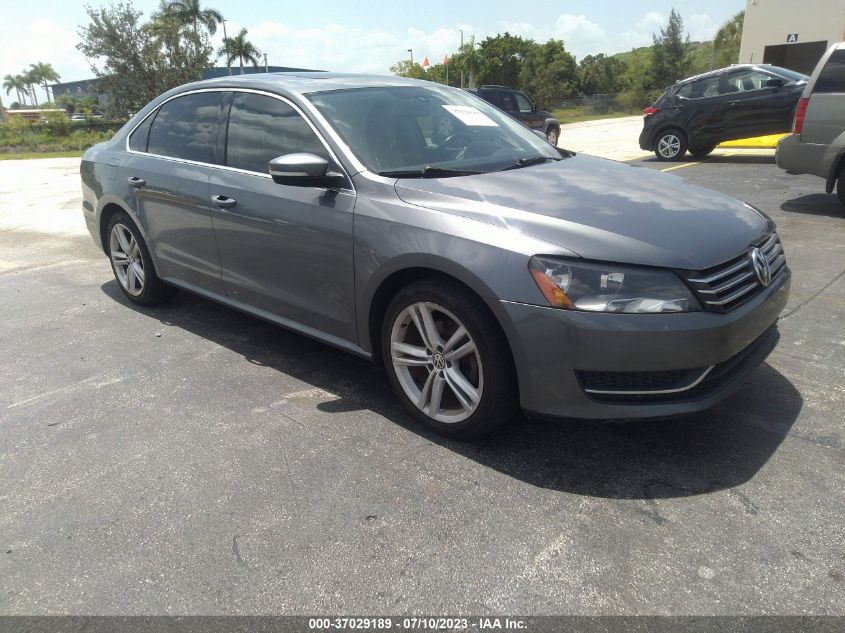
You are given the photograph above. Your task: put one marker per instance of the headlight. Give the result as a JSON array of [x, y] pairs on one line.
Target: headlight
[[610, 287]]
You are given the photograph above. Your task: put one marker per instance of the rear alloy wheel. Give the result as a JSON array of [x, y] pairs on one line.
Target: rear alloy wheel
[[670, 145], [132, 265], [552, 135], [447, 361]]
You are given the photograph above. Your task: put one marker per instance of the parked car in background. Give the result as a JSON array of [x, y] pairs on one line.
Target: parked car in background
[[741, 101], [486, 269], [817, 143], [520, 107]]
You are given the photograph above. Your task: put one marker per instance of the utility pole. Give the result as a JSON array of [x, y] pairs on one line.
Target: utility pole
[[266, 67], [226, 48], [411, 52], [461, 50]]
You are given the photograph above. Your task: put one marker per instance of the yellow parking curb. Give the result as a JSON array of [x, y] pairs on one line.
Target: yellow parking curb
[[759, 142]]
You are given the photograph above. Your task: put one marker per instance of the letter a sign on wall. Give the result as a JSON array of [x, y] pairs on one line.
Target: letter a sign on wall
[[792, 38]]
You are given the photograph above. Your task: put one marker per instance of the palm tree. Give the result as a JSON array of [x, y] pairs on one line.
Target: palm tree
[[16, 83], [31, 80], [43, 73], [470, 60], [239, 48], [191, 12], [728, 39]]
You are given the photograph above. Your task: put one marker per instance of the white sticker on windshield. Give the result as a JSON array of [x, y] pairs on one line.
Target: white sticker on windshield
[[470, 115]]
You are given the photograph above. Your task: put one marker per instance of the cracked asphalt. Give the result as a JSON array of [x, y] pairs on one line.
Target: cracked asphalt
[[193, 460]]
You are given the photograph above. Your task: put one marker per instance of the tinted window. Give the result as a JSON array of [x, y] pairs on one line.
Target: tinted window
[[186, 127], [708, 87], [138, 139], [832, 77], [746, 80], [523, 103], [508, 104], [685, 91], [263, 128]]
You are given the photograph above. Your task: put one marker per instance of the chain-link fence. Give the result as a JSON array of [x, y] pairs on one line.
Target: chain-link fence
[[604, 104]]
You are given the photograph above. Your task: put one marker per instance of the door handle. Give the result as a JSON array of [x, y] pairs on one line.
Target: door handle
[[733, 103], [224, 202], [136, 182]]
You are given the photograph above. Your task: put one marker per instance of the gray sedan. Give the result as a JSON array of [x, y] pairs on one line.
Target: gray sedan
[[419, 226]]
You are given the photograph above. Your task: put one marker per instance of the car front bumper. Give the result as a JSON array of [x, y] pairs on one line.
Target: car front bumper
[[554, 350]]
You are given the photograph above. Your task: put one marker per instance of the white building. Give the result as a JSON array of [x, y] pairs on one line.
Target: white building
[[791, 33]]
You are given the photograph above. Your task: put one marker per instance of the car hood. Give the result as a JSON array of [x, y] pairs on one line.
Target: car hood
[[602, 210]]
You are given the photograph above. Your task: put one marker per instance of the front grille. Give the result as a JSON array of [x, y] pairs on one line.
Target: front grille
[[727, 286], [701, 383]]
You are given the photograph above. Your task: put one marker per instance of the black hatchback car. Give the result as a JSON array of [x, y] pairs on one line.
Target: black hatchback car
[[741, 101]]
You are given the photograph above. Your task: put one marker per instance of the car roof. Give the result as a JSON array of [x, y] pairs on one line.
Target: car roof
[[719, 71], [305, 82]]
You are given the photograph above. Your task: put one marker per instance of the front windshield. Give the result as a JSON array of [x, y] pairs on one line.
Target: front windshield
[[397, 129]]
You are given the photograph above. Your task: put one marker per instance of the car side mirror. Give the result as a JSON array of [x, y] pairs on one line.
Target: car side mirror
[[305, 170], [775, 82]]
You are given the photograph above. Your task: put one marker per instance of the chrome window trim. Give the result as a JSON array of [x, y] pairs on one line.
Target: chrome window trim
[[692, 385], [186, 161]]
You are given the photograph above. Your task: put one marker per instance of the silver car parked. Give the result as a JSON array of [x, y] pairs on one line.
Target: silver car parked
[[488, 270], [817, 143]]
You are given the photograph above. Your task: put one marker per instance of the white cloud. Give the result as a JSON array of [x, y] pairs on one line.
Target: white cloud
[[580, 35], [701, 28], [341, 48], [42, 41]]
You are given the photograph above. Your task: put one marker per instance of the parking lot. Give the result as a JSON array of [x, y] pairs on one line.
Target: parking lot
[[193, 460]]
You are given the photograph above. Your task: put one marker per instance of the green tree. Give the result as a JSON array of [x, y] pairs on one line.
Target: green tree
[[31, 79], [599, 74], [669, 60], [502, 58], [16, 83], [44, 73], [727, 41], [191, 13], [470, 61], [239, 48], [406, 68], [136, 60], [549, 74]]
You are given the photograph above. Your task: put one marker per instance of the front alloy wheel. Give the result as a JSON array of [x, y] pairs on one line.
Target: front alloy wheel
[[448, 360], [437, 362]]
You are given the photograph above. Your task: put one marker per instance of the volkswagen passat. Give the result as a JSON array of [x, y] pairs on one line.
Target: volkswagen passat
[[487, 269]]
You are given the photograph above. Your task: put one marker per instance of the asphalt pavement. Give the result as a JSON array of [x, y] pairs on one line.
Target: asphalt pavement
[[190, 459]]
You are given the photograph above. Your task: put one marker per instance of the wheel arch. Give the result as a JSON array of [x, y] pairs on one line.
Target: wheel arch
[[407, 270], [836, 171], [110, 205]]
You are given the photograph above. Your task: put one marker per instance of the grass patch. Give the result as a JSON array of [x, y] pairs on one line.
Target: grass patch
[[579, 115], [73, 153]]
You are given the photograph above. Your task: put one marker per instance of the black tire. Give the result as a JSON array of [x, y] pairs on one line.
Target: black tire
[[700, 153], [553, 135], [674, 139], [153, 290], [498, 401], [840, 188]]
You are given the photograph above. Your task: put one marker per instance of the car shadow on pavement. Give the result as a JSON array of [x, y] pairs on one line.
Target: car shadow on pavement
[[826, 204], [647, 459], [728, 159]]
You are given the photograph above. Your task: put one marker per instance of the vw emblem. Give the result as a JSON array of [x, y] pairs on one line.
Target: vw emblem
[[760, 264], [439, 361]]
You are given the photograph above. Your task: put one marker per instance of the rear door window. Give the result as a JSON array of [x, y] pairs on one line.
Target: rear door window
[[262, 128], [186, 127], [138, 138], [707, 87], [832, 77]]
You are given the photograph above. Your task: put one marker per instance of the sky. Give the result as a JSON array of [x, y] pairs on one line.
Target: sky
[[370, 36]]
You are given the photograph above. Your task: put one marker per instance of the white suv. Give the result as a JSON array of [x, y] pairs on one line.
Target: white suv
[[817, 143]]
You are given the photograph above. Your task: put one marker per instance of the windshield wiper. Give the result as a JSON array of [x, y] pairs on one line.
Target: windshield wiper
[[428, 172], [528, 161]]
